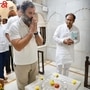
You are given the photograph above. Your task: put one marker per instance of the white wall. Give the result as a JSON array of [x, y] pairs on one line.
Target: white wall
[[56, 13]]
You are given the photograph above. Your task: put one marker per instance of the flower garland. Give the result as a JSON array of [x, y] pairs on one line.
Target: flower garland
[[1, 87], [1, 84]]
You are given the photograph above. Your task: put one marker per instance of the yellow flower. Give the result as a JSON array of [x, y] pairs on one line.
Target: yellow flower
[[37, 87], [41, 78], [56, 75], [1, 88], [52, 82], [74, 82], [0, 85]]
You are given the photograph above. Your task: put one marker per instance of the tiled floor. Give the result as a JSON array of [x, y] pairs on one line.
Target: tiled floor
[[49, 68]]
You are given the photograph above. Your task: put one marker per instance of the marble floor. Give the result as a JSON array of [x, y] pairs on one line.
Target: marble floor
[[50, 67]]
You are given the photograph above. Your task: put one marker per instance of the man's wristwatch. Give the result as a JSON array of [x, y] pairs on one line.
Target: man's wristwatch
[[36, 33]]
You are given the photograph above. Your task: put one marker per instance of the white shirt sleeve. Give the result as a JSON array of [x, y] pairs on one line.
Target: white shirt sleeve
[[14, 32], [56, 36]]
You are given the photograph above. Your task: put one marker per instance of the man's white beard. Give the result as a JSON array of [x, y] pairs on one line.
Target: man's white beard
[[26, 20]]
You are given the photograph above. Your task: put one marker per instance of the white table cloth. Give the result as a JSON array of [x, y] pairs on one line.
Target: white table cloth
[[66, 80]]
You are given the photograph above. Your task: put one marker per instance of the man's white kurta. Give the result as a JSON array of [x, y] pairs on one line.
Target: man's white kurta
[[65, 53]]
